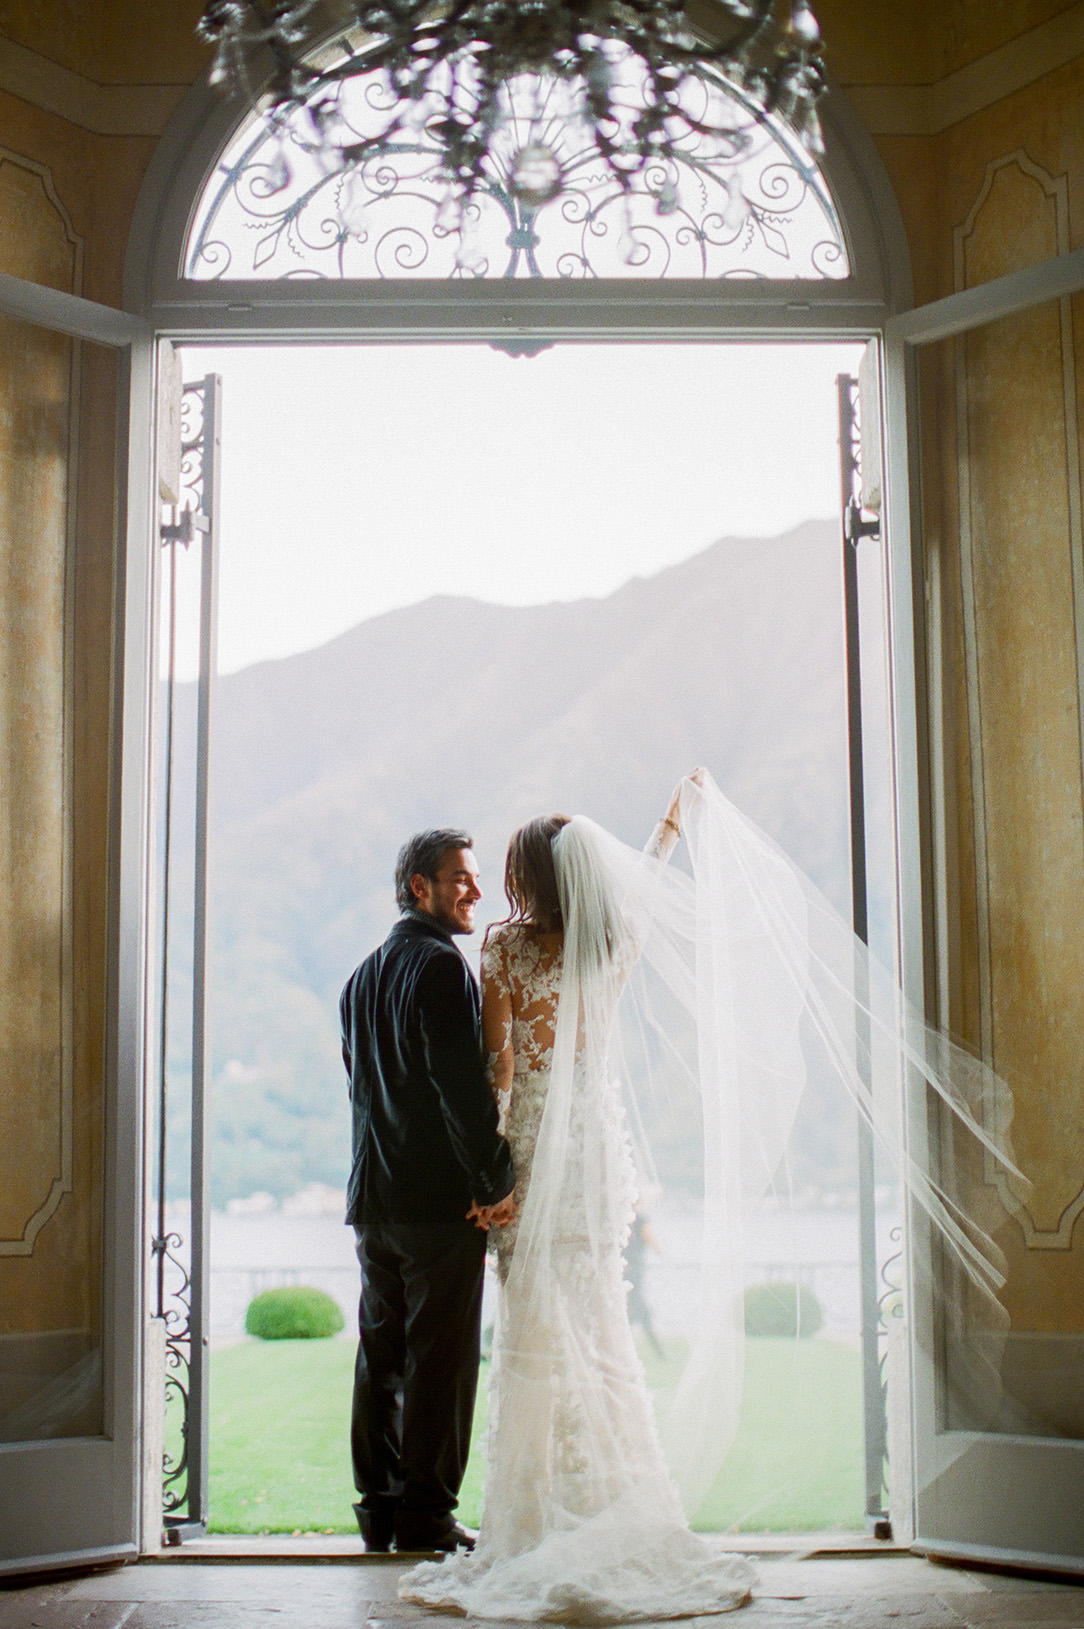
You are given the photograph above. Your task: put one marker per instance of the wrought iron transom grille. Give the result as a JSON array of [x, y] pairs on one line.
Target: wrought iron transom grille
[[756, 208]]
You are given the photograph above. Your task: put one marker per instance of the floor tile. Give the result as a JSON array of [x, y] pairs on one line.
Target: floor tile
[[315, 1584], [1004, 1609], [873, 1591]]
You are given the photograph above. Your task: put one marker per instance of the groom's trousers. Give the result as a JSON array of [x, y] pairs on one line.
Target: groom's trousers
[[415, 1377]]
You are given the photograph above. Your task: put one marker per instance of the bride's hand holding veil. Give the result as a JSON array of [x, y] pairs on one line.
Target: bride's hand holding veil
[[663, 839]]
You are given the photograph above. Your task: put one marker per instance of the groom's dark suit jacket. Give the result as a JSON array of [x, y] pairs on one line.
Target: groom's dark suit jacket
[[425, 1138]]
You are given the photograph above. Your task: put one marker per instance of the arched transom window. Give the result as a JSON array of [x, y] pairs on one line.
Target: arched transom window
[[755, 206]]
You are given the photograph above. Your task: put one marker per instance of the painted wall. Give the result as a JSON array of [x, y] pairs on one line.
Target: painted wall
[[56, 560]]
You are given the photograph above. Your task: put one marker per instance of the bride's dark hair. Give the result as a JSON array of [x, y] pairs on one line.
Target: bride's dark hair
[[530, 879]]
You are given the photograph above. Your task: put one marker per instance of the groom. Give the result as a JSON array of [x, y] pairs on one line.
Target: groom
[[430, 1174]]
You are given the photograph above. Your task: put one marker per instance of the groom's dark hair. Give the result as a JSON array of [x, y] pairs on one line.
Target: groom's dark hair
[[421, 855]]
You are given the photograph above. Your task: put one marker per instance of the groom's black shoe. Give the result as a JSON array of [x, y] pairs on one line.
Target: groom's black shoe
[[425, 1536], [379, 1535], [458, 1539]]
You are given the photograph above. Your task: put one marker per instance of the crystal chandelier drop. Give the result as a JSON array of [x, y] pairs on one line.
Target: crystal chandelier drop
[[448, 72]]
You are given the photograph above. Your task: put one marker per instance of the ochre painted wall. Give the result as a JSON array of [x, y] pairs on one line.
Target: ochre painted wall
[[113, 42], [56, 567]]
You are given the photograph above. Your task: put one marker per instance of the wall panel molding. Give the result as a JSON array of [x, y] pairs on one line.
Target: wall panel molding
[[37, 545], [1022, 572]]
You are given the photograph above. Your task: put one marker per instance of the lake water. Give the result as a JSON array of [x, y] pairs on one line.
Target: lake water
[[818, 1248]]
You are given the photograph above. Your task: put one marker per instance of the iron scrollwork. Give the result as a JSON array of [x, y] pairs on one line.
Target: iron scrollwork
[[858, 522], [890, 1311], [193, 428], [890, 1303], [752, 205], [176, 1313]]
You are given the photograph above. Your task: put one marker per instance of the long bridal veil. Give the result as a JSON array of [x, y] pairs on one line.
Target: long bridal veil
[[697, 1015]]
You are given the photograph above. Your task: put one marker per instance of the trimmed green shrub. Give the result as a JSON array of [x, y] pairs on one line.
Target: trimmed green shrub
[[293, 1313], [782, 1309]]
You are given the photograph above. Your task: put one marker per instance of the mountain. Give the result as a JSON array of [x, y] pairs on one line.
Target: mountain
[[453, 711]]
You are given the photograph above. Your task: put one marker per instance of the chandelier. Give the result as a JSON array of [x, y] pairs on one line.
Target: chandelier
[[632, 78]]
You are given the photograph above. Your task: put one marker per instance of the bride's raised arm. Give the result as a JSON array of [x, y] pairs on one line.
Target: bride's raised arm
[[663, 839]]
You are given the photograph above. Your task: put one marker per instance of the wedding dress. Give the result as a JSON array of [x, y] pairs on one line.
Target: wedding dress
[[697, 997]]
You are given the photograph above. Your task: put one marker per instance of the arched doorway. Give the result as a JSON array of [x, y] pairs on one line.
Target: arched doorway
[[268, 248]]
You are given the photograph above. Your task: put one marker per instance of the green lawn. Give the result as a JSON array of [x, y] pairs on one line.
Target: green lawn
[[797, 1461], [279, 1449]]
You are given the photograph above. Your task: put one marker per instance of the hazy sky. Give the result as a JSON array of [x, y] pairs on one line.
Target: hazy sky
[[360, 478]]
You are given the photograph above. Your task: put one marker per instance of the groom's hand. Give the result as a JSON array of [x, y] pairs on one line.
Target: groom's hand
[[504, 1211], [498, 1215]]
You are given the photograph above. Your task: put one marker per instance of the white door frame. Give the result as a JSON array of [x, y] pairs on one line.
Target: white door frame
[[77, 1500], [1025, 1493], [494, 311]]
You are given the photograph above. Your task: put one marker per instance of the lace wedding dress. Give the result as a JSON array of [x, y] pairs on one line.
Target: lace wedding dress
[[695, 1007], [582, 1520]]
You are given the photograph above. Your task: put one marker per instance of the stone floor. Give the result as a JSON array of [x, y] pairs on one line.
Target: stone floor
[[869, 1591]]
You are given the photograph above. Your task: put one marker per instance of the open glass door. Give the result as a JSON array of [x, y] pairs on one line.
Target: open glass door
[[988, 382], [72, 859], [176, 1438]]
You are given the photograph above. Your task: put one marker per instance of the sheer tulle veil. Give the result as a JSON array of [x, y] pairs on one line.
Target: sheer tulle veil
[[696, 1007]]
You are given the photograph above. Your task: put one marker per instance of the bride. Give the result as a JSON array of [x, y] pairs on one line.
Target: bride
[[619, 979]]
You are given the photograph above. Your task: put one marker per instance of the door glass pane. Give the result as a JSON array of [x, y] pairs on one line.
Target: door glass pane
[[177, 1290], [1005, 590], [56, 561]]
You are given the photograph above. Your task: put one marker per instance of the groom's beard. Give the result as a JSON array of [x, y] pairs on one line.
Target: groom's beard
[[458, 918]]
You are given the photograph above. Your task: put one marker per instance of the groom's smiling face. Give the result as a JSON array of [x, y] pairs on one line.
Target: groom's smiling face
[[450, 897]]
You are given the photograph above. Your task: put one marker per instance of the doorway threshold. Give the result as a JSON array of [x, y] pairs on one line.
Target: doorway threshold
[[268, 1547]]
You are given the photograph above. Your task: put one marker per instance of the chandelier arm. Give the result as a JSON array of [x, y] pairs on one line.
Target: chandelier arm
[[456, 67], [748, 33]]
